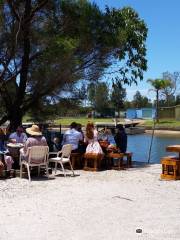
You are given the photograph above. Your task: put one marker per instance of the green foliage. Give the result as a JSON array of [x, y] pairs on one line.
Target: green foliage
[[178, 99], [48, 46], [118, 95], [140, 101], [159, 85], [98, 95]]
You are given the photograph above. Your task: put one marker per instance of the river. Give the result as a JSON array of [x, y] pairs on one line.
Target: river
[[139, 145]]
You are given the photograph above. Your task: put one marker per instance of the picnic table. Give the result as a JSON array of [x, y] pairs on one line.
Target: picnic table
[[174, 148]]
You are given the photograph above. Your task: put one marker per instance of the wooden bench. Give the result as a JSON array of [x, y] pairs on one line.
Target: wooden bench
[[119, 157], [170, 168], [128, 159], [124, 160], [92, 161], [77, 160]]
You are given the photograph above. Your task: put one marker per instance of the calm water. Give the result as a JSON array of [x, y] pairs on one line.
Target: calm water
[[139, 145]]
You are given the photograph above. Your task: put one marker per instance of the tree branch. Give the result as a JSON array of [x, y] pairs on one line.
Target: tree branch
[[4, 119], [13, 10], [37, 8]]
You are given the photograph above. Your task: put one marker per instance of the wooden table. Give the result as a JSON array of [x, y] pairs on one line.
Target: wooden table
[[174, 148], [171, 164]]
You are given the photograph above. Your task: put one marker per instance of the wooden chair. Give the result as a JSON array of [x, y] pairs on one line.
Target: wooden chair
[[36, 156], [76, 160], [170, 168], [92, 161]]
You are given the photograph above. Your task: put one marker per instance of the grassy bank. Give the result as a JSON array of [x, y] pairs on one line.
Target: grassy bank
[[164, 123], [83, 121]]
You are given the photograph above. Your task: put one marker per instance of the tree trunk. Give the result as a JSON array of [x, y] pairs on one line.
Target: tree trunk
[[157, 106], [15, 118], [16, 113]]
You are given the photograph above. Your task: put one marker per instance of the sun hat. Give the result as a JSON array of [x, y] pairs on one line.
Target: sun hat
[[34, 130]]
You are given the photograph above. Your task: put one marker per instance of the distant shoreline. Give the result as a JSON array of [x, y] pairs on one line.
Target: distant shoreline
[[163, 132]]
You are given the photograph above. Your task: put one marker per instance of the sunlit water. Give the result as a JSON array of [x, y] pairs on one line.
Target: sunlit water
[[140, 144]]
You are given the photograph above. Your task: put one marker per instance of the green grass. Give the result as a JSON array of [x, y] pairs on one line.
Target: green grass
[[68, 121], [163, 123], [83, 121]]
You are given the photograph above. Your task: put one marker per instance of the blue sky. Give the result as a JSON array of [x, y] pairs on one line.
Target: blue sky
[[163, 43]]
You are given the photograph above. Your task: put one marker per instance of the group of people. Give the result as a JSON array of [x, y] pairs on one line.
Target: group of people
[[89, 141], [32, 137], [82, 142]]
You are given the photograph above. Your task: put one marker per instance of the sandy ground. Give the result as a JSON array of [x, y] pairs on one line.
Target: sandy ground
[[91, 206]]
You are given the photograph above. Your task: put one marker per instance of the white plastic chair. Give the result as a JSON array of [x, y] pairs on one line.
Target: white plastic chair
[[36, 156], [62, 157]]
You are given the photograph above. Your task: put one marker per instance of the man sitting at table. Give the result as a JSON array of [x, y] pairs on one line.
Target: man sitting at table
[[73, 137], [19, 136]]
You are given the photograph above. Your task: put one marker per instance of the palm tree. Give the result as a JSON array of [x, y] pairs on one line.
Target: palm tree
[[158, 85]]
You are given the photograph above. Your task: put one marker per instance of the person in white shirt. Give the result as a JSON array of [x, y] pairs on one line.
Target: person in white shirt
[[73, 137], [19, 136]]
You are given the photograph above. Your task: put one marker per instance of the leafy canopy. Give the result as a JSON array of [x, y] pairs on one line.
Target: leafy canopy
[[48, 46]]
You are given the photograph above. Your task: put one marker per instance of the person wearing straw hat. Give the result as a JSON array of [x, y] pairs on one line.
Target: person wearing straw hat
[[35, 138]]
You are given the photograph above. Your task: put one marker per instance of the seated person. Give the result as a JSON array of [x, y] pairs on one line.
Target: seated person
[[121, 138], [82, 145], [6, 163], [19, 136], [1, 167], [2, 140], [56, 144], [35, 139], [91, 138], [73, 137]]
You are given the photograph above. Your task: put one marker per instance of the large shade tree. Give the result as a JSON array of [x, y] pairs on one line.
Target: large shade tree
[[48, 45]]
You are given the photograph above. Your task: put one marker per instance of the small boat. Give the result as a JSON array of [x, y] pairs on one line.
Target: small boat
[[135, 130]]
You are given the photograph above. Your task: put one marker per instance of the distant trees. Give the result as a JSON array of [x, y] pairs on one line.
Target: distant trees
[[118, 95], [169, 90], [140, 101], [47, 46], [99, 97], [158, 86]]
